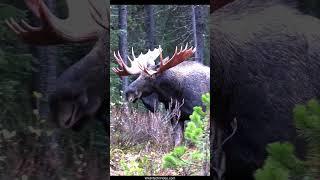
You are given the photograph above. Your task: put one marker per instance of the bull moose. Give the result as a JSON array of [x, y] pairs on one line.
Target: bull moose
[[266, 58], [171, 79], [81, 89]]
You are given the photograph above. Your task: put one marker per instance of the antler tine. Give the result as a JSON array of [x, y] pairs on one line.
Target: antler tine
[[161, 60], [100, 19], [14, 26], [194, 49], [123, 69], [28, 27], [78, 27], [28, 32], [120, 58], [186, 47], [130, 60], [117, 58], [176, 51], [122, 64], [177, 58], [134, 57], [138, 64]]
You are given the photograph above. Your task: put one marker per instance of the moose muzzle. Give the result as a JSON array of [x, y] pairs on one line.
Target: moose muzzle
[[132, 95]]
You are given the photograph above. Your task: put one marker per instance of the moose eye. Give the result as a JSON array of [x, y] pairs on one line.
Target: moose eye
[[153, 76]]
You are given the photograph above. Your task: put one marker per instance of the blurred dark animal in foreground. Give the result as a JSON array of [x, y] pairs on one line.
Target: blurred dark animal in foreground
[[266, 58], [80, 90], [172, 80]]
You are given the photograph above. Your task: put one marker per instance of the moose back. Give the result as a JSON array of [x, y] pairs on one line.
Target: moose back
[[266, 59]]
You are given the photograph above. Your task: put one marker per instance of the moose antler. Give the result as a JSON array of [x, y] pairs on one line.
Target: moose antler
[[137, 64], [141, 63], [78, 27], [100, 17], [177, 58]]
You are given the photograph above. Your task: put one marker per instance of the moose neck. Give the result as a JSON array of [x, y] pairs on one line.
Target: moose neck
[[168, 86]]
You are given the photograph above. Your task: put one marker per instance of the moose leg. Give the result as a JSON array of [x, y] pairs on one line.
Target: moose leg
[[178, 128]]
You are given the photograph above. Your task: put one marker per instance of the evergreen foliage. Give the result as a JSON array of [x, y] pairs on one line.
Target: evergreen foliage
[[282, 164], [307, 120], [197, 133]]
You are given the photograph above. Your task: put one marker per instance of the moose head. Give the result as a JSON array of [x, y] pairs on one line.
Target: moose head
[[150, 73], [80, 90]]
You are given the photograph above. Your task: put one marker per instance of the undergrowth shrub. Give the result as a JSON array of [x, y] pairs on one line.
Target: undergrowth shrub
[[130, 127], [194, 157], [139, 139]]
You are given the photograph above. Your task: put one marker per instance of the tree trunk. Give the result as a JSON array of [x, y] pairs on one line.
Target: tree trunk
[[46, 85], [46, 77], [150, 26], [123, 39], [198, 24]]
